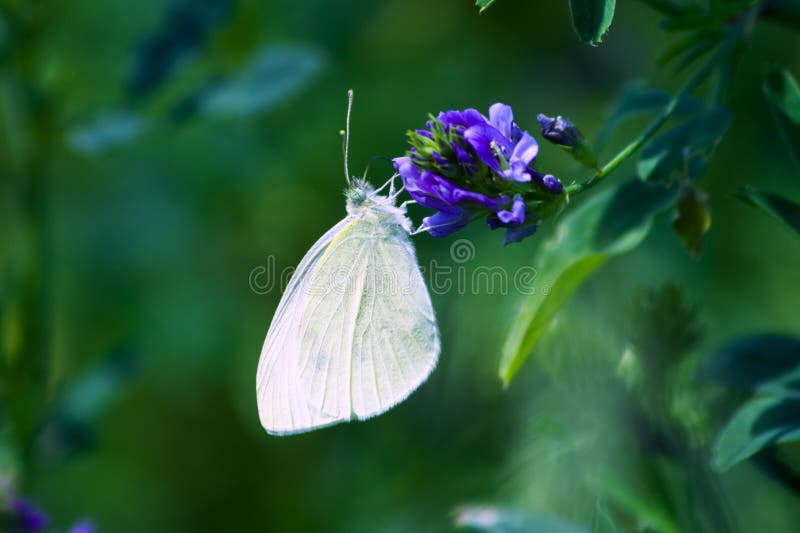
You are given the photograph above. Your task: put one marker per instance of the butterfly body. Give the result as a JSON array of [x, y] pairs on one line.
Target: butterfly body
[[355, 332]]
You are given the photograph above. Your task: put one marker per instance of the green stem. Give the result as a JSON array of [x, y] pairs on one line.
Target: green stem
[[666, 113], [28, 370]]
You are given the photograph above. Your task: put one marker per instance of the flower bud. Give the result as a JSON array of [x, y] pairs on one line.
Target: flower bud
[[562, 132]]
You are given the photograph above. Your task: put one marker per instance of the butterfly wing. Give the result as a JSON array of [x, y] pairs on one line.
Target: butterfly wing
[[282, 404], [369, 336]]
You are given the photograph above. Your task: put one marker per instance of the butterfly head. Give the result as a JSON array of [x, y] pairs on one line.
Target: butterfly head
[[359, 192], [364, 201]]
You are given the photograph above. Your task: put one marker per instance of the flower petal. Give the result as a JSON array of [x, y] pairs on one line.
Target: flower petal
[[517, 171], [444, 223], [516, 215], [424, 187], [464, 119], [502, 118], [438, 159], [517, 234], [526, 149], [465, 198], [473, 117], [462, 155], [27, 516], [83, 527], [480, 137]]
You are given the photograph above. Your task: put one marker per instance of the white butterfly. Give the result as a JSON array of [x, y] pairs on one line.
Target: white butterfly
[[354, 333]]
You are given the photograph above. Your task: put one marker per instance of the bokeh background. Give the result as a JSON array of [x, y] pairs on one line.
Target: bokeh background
[[153, 154]]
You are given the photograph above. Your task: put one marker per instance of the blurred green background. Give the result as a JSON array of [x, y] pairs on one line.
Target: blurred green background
[[153, 154]]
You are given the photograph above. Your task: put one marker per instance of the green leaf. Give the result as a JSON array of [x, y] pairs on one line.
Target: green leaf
[[766, 363], [774, 205], [498, 520], [591, 18], [274, 74], [638, 100], [68, 428], [110, 130], [684, 149], [483, 4], [761, 422], [664, 155], [180, 36], [783, 95], [692, 218], [696, 51], [678, 48], [608, 224]]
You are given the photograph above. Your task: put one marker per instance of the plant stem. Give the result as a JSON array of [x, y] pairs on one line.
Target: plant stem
[[28, 370], [667, 111]]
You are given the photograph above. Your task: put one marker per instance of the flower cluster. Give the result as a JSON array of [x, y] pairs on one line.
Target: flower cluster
[[465, 166], [21, 516]]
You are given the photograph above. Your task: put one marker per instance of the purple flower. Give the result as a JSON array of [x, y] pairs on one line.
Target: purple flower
[[501, 145], [516, 221], [465, 165], [552, 183], [435, 192], [443, 223], [27, 517], [460, 119], [83, 527], [559, 130], [563, 133]]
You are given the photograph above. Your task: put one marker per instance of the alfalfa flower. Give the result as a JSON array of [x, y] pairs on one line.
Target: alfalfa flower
[[465, 166], [563, 133], [25, 517], [83, 527], [18, 515]]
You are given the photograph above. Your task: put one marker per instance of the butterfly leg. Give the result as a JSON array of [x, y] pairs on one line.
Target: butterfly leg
[[390, 184]]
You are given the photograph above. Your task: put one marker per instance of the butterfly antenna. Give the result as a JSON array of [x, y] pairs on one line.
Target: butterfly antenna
[[346, 135]]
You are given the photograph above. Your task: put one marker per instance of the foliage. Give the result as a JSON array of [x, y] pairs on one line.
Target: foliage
[[484, 4], [783, 95], [591, 18], [153, 158], [768, 366], [774, 205], [609, 224]]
